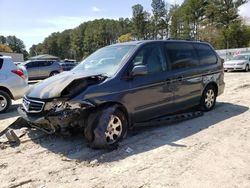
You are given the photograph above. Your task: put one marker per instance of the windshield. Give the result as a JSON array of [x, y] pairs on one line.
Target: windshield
[[106, 60], [241, 57]]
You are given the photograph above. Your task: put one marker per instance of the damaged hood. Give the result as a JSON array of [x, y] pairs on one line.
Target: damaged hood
[[53, 87]]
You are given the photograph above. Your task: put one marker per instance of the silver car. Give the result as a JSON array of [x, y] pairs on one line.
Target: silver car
[[13, 82], [40, 69], [239, 62]]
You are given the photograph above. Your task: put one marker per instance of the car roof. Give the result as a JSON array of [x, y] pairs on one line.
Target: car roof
[[5, 57]]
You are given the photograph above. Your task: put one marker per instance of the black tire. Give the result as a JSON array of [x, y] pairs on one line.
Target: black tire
[[53, 73], [247, 68], [96, 132], [208, 99], [5, 101]]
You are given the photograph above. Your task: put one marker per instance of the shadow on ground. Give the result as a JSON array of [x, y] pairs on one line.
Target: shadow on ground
[[142, 140], [12, 112]]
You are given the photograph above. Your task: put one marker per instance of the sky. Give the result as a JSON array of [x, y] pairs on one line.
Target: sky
[[33, 20]]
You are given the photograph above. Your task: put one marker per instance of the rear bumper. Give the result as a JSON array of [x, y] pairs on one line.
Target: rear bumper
[[20, 91], [221, 89]]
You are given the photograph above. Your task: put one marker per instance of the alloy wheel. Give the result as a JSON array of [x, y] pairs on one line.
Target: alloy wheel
[[210, 98], [3, 103], [114, 129]]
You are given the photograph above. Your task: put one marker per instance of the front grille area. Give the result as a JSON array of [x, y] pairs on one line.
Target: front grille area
[[32, 106]]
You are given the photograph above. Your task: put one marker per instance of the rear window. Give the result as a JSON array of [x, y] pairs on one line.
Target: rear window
[[206, 54], [1, 63], [181, 55]]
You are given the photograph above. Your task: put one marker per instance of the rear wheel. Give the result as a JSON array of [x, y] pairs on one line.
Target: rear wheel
[[247, 68], [5, 101], [108, 128], [208, 98], [53, 73]]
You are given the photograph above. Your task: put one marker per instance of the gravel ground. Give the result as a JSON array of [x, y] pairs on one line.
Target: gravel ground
[[209, 151]]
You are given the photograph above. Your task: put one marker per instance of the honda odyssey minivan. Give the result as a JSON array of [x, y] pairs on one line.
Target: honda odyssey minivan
[[124, 84]]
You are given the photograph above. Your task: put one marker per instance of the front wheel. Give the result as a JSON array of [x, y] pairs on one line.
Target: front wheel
[[208, 98], [107, 130]]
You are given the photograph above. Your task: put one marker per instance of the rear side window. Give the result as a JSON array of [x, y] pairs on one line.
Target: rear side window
[[206, 54], [44, 63], [1, 63], [32, 64], [36, 64], [181, 55]]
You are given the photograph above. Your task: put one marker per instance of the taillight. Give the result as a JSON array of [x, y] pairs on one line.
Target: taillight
[[19, 73]]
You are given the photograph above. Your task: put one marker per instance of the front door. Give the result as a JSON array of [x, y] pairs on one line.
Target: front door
[[150, 96]]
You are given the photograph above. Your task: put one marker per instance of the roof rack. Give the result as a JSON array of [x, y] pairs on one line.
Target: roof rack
[[170, 38], [188, 39], [194, 40]]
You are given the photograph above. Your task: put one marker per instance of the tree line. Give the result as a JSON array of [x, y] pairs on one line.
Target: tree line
[[214, 21], [12, 44]]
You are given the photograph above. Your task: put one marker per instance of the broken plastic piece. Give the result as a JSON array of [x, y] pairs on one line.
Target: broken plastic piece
[[12, 137]]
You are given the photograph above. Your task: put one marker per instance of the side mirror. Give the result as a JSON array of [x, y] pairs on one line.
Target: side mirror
[[139, 70]]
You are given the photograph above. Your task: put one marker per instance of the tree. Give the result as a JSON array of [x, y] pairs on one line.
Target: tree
[[139, 21], [226, 13], [159, 18], [194, 14], [2, 40], [36, 50], [63, 43], [238, 36], [5, 48], [15, 44], [125, 38], [50, 44], [77, 43], [176, 21]]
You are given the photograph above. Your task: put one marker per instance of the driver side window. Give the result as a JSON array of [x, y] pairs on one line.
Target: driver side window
[[150, 56]]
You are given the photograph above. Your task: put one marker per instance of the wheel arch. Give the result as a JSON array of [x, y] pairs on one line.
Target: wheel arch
[[214, 84], [54, 71], [5, 89], [121, 107]]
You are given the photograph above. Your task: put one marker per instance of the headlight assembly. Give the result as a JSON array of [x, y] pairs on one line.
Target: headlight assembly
[[59, 105]]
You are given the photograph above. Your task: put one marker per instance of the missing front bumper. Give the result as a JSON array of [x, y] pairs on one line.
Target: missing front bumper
[[55, 122]]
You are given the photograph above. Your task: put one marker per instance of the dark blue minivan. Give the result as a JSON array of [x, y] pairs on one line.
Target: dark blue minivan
[[124, 84]]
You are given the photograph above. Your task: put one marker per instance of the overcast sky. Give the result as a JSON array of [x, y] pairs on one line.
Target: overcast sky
[[33, 20]]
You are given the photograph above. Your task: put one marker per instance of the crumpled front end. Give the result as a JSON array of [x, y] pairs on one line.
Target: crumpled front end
[[50, 105], [56, 115]]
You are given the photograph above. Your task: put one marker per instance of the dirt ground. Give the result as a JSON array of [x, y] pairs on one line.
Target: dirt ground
[[209, 151]]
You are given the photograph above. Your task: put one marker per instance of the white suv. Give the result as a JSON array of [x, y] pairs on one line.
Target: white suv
[[13, 82]]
